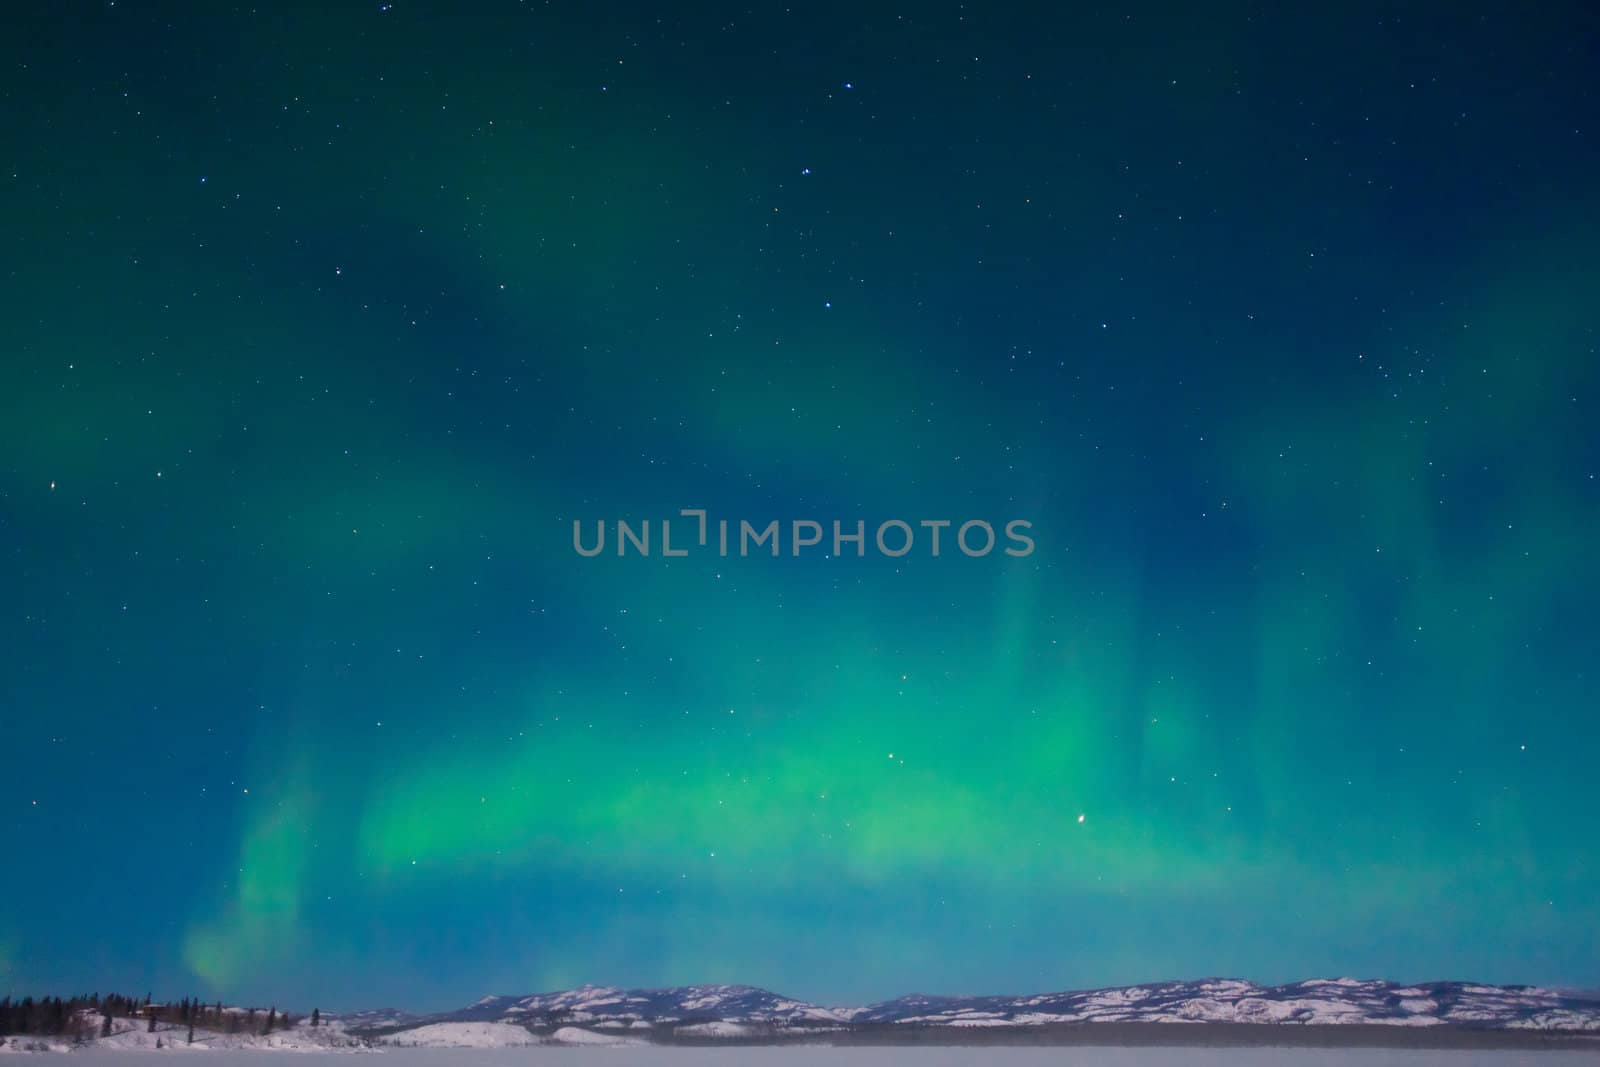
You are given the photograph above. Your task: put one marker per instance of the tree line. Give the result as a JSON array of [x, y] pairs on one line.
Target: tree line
[[89, 1015]]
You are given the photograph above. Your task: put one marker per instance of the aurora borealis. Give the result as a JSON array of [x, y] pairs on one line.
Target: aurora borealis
[[323, 326]]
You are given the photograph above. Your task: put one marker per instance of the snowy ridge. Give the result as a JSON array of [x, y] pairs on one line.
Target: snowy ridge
[[683, 1004], [1325, 1001], [734, 1012]]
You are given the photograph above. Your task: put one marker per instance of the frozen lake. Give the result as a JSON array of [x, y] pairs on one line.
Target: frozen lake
[[656, 1056]]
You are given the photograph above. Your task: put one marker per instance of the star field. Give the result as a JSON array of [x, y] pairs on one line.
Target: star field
[[323, 326]]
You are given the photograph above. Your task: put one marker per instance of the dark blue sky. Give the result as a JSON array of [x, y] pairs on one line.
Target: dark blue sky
[[323, 326]]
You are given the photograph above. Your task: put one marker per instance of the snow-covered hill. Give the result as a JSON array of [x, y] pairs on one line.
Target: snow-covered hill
[[463, 1035], [604, 1015], [742, 1011], [684, 1004], [1318, 1001]]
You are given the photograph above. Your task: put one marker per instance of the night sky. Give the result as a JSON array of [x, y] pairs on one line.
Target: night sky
[[321, 327]]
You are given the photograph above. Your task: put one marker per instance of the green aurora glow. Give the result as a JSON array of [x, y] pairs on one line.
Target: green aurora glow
[[322, 328]]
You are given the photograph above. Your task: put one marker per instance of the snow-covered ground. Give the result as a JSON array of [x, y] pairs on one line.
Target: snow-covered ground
[[463, 1035], [657, 1056], [574, 1035], [134, 1035]]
